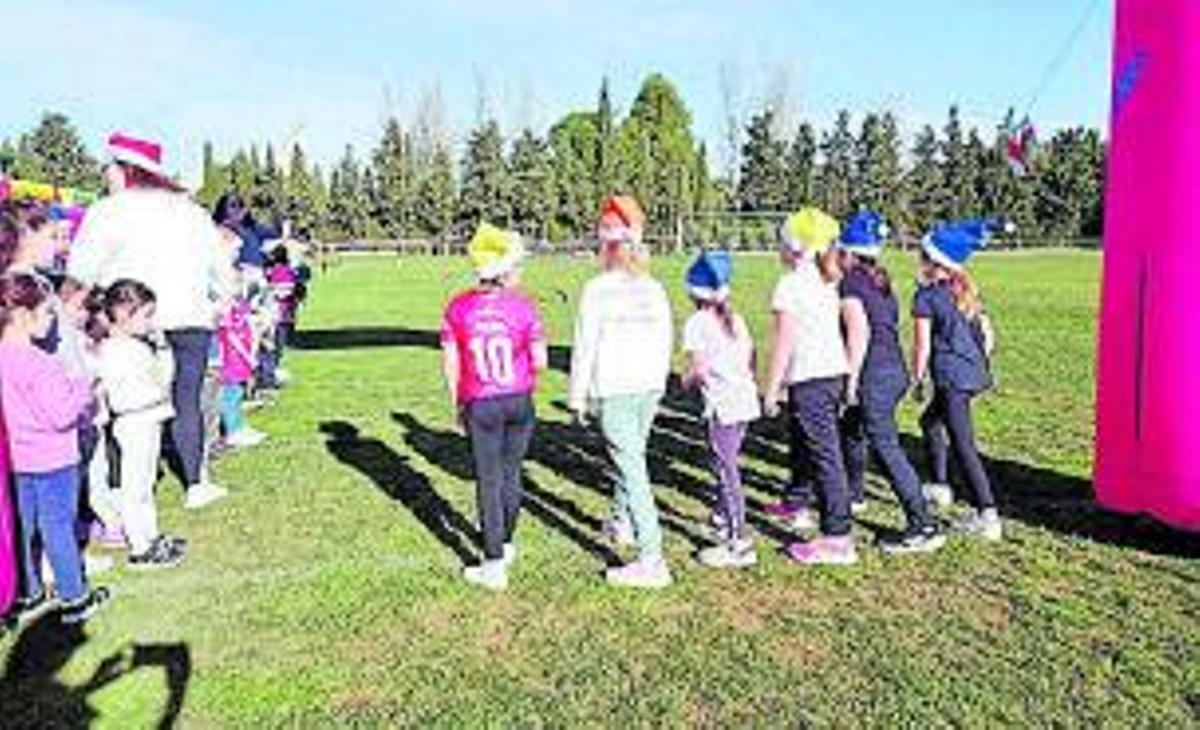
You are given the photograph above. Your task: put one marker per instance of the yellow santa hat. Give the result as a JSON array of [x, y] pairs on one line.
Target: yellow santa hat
[[809, 230], [494, 252]]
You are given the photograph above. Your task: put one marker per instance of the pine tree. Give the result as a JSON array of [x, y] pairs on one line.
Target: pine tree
[[532, 175], [926, 192], [393, 170], [764, 177], [662, 125], [836, 187], [268, 196], [54, 153], [348, 212], [802, 168], [573, 143], [303, 204], [484, 195], [958, 171], [213, 178], [606, 143], [877, 167], [433, 209]]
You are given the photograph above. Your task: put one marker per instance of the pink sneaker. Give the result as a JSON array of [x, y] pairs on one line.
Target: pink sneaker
[[824, 551], [783, 510]]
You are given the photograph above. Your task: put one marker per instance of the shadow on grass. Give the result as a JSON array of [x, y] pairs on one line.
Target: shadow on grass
[[391, 474], [32, 696], [451, 452], [1043, 497]]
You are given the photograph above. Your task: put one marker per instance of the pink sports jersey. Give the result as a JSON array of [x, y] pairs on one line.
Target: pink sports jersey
[[494, 331], [236, 337]]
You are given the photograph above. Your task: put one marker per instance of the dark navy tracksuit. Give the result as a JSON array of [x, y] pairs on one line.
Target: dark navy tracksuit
[[883, 382], [959, 367]]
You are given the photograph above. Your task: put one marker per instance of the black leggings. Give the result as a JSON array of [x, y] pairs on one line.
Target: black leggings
[[500, 430], [950, 412], [190, 349]]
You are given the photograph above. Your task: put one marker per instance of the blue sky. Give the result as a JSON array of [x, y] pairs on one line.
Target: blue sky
[[326, 73]]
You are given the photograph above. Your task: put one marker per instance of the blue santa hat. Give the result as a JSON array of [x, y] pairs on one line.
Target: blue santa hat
[[951, 244], [864, 234], [708, 278]]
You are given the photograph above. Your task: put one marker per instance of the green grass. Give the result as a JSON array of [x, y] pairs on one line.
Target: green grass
[[325, 591]]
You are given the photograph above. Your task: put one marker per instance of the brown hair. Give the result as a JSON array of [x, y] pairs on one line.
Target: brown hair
[[725, 314], [876, 272], [104, 305], [828, 263], [20, 291], [136, 177]]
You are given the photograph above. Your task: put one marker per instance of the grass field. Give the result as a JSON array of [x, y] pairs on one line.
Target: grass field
[[326, 592]]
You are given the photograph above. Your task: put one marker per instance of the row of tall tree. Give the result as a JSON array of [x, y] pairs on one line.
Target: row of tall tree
[[415, 183]]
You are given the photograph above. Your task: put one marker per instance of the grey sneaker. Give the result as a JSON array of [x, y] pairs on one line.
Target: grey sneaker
[[491, 575], [984, 524], [86, 607], [940, 495], [736, 554]]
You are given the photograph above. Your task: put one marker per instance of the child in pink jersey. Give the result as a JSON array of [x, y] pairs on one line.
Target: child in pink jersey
[[237, 340], [493, 346], [43, 407]]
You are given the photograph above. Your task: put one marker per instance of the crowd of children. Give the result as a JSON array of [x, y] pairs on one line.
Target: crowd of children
[[94, 374], [836, 368]]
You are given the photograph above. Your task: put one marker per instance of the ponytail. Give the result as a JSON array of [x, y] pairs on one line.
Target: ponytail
[[877, 273], [724, 311]]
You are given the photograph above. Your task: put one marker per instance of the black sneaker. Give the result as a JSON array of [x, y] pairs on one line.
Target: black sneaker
[[84, 608], [28, 606], [919, 540], [164, 552]]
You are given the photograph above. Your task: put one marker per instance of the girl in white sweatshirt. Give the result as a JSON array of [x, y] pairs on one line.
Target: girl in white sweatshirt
[[619, 367], [136, 369]]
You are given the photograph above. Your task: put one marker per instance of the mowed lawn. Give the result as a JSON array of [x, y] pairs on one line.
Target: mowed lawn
[[326, 590]]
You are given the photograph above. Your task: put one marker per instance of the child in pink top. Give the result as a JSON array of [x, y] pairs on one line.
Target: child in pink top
[[238, 345], [43, 407], [493, 345]]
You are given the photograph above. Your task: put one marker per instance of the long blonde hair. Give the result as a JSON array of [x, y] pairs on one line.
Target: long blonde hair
[[966, 294]]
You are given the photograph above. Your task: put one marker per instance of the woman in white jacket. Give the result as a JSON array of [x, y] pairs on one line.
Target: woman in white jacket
[[148, 230], [619, 368]]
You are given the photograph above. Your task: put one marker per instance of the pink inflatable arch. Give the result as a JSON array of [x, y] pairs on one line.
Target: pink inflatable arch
[[8, 532], [1148, 392]]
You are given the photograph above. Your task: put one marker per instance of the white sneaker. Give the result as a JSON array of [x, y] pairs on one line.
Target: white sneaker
[[491, 575], [736, 554], [202, 495], [941, 495], [984, 524], [805, 520], [96, 564], [282, 376], [510, 554], [620, 531], [857, 508], [642, 573], [245, 438]]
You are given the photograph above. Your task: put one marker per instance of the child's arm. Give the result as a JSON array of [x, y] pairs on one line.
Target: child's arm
[[858, 339], [922, 336], [989, 334], [783, 340], [698, 369], [450, 365]]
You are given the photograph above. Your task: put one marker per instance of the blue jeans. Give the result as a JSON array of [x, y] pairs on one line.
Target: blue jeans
[[48, 505], [232, 419]]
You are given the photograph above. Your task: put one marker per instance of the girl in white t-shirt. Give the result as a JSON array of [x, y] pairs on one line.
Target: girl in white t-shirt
[[809, 358], [721, 354]]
